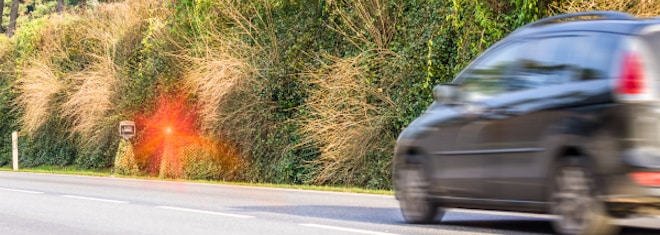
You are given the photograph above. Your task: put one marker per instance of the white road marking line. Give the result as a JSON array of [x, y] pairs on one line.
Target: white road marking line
[[20, 191], [205, 212], [93, 199], [352, 230]]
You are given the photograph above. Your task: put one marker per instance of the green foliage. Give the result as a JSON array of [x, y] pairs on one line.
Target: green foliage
[[98, 154], [50, 145], [28, 39], [8, 114], [44, 9], [147, 70], [390, 52], [427, 41], [427, 54], [204, 163]]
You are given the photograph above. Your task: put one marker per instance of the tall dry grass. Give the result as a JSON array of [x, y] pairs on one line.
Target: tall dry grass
[[40, 78], [217, 48], [38, 86], [348, 117], [642, 8], [5, 46], [348, 107], [74, 74], [367, 22], [91, 98], [222, 68], [91, 107], [213, 77]]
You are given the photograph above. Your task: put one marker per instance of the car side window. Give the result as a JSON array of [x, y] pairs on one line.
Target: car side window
[[597, 51], [487, 77], [550, 61], [539, 65]]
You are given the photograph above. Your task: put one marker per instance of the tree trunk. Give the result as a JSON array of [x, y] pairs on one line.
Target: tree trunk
[[2, 12], [60, 6], [13, 14]]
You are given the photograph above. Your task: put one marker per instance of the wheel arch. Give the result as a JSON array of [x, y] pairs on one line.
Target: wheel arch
[[409, 155]]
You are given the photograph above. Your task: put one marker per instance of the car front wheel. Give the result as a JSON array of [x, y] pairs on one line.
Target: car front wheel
[[414, 201]]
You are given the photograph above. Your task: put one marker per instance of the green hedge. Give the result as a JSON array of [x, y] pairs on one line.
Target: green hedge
[[400, 50]]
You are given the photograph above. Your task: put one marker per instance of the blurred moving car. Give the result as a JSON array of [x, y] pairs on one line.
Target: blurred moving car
[[560, 117]]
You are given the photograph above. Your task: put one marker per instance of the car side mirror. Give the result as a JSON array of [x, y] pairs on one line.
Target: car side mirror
[[446, 93]]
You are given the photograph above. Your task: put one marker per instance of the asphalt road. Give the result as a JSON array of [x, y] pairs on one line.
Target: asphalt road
[[63, 204]]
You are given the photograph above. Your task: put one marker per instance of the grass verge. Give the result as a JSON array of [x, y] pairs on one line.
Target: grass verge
[[66, 170], [69, 170]]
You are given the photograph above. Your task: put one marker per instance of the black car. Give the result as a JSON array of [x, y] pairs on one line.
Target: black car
[[561, 117]]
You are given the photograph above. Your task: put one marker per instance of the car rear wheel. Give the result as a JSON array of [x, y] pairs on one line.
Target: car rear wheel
[[414, 201], [574, 201]]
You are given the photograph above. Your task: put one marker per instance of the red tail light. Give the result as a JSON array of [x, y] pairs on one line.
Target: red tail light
[[632, 80], [646, 178]]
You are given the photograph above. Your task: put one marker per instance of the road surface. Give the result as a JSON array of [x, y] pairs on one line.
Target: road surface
[[63, 204]]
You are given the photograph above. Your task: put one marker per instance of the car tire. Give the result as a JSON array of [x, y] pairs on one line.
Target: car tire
[[574, 200], [413, 185]]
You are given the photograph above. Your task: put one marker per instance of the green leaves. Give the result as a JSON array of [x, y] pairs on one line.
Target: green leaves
[[404, 49]]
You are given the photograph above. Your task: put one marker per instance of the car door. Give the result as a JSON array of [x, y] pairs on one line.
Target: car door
[[520, 116], [559, 72], [461, 168]]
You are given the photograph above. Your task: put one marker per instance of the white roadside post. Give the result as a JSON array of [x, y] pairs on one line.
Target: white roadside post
[[14, 149]]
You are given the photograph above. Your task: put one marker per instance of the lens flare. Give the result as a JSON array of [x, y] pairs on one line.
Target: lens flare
[[168, 138]]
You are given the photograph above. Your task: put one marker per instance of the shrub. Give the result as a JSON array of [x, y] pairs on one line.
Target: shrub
[[278, 91], [639, 8], [348, 116], [8, 114], [209, 160]]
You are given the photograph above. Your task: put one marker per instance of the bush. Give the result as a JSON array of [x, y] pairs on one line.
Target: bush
[[639, 8], [8, 114], [49, 145], [304, 92], [209, 161]]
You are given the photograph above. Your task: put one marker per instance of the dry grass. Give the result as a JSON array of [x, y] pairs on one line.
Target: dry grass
[[41, 80], [348, 107], [347, 117], [219, 69], [5, 45], [370, 22], [222, 70], [642, 8], [91, 99], [38, 86], [76, 58], [90, 105], [212, 78]]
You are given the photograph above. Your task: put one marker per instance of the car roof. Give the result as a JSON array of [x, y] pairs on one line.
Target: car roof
[[607, 21], [618, 22]]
